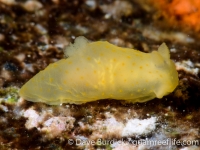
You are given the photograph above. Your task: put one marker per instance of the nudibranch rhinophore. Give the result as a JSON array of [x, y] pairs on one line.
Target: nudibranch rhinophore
[[100, 70]]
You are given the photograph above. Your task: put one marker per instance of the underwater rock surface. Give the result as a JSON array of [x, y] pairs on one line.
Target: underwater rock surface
[[34, 34]]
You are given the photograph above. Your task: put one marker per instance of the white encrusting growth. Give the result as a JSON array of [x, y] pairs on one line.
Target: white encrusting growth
[[188, 66], [52, 126], [139, 127], [111, 128]]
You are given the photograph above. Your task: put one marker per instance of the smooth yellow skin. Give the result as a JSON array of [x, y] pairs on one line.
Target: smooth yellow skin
[[100, 70]]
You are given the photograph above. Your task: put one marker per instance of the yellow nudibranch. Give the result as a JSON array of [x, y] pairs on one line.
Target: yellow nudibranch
[[100, 70]]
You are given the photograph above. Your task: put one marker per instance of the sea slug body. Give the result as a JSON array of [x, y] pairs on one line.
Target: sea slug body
[[100, 70]]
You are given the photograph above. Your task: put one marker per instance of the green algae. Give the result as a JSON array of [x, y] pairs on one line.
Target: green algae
[[9, 95]]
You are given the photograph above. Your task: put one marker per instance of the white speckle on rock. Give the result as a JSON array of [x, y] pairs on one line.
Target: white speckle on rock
[[33, 117], [187, 66], [4, 108], [32, 5], [111, 128], [117, 41], [8, 2], [53, 126], [91, 3], [190, 148], [20, 57], [83, 138], [117, 9], [135, 127], [29, 67], [173, 50], [162, 36], [3, 120], [107, 128], [41, 29], [56, 125], [60, 42], [6, 75], [82, 29], [2, 37]]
